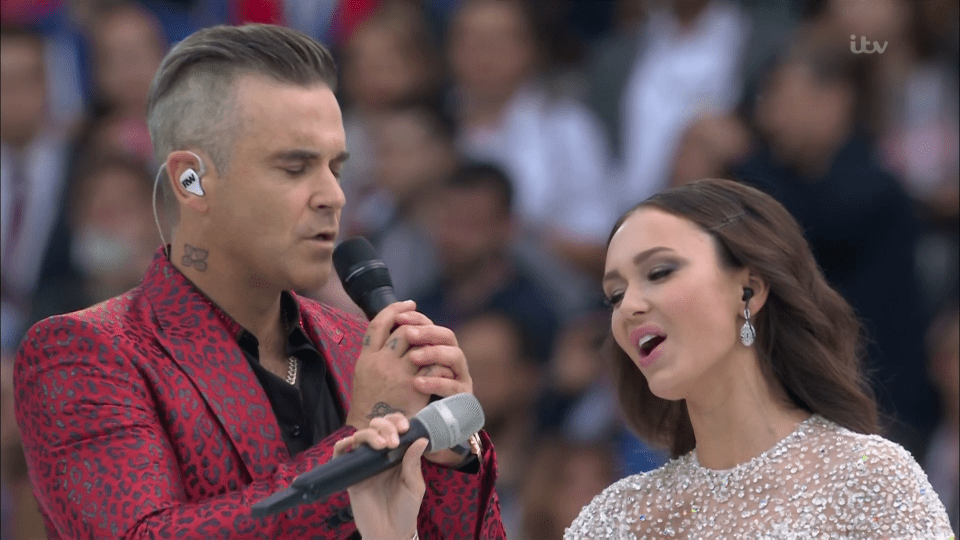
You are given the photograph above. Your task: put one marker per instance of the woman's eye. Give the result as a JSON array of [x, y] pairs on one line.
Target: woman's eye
[[613, 300], [660, 273]]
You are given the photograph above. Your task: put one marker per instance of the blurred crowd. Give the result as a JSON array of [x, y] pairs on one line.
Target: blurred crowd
[[493, 145]]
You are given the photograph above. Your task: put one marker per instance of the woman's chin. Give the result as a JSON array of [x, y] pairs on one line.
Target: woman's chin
[[664, 388]]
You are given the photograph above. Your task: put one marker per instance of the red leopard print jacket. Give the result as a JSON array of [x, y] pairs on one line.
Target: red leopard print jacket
[[141, 418]]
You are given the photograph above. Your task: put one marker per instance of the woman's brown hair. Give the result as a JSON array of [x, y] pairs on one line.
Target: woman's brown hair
[[809, 341]]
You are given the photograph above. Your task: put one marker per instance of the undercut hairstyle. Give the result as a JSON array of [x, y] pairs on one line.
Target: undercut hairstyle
[[809, 341], [192, 101]]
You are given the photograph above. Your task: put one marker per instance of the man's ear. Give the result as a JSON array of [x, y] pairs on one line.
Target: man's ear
[[189, 179]]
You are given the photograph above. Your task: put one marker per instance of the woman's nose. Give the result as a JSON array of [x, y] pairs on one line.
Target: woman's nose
[[634, 302]]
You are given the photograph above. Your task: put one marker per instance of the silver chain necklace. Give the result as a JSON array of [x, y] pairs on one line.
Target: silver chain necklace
[[292, 370]]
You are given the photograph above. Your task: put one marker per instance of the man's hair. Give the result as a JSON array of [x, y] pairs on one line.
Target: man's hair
[[484, 175], [192, 101]]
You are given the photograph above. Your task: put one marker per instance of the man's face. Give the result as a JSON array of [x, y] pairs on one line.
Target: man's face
[[470, 228], [792, 112], [491, 49], [23, 100], [128, 53], [409, 156], [275, 213]]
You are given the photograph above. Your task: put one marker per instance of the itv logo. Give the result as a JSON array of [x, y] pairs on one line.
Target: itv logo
[[865, 46]]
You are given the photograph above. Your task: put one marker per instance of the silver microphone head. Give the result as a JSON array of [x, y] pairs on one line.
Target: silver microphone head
[[451, 420]]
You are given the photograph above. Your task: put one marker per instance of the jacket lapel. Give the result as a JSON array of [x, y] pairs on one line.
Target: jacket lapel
[[205, 347], [325, 332]]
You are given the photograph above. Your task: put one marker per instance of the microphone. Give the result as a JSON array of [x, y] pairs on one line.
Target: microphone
[[445, 423], [364, 276]]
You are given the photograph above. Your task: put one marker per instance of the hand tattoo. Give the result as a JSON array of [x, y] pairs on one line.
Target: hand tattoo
[[393, 344], [366, 341], [383, 409], [195, 257]]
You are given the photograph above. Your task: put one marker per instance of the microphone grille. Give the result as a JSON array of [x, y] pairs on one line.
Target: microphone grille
[[451, 420]]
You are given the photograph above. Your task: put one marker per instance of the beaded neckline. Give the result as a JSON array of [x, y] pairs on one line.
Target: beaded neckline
[[777, 449]]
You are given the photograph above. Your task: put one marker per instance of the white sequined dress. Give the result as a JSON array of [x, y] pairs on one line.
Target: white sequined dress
[[821, 481]]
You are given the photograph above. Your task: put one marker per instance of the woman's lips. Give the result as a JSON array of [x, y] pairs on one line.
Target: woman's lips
[[650, 335], [647, 358]]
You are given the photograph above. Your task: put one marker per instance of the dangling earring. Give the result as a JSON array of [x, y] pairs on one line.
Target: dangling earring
[[747, 332]]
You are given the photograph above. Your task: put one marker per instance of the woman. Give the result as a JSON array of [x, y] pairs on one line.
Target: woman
[[731, 349]]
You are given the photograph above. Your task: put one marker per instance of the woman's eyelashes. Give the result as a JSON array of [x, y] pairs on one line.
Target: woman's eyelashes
[[613, 300], [660, 272], [657, 274]]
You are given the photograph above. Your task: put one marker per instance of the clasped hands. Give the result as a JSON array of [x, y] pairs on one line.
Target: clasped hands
[[404, 360]]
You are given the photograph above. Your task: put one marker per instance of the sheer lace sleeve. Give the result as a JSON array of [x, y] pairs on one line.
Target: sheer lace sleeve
[[895, 499], [604, 516]]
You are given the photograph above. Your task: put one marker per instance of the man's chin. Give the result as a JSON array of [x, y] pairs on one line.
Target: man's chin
[[311, 284]]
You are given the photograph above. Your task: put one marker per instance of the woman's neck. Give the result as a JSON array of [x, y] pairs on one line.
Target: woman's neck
[[741, 419]]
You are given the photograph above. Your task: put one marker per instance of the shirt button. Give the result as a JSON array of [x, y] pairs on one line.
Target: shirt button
[[295, 431]]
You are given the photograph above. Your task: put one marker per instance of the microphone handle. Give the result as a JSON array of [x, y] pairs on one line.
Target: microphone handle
[[363, 462], [280, 501], [375, 300]]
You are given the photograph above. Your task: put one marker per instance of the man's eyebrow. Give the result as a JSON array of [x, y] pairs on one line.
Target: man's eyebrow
[[301, 154], [297, 154]]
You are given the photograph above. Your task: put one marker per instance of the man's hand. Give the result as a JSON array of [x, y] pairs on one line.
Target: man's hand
[[399, 369]]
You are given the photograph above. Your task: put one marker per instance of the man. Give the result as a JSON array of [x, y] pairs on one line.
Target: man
[[172, 409], [473, 230], [33, 160]]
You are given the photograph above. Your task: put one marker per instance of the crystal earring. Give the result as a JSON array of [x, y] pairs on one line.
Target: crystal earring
[[747, 332]]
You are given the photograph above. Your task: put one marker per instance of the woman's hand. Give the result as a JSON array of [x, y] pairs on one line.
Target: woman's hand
[[386, 506]]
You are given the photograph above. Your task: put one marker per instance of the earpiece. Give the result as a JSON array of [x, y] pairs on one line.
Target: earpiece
[[747, 294], [190, 181]]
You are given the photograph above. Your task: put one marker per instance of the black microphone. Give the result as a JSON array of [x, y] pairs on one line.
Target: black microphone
[[364, 276], [445, 423]]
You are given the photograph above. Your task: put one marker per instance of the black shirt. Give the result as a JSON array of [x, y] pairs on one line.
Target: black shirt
[[309, 411]]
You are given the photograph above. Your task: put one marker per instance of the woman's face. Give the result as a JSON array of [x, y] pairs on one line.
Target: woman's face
[[675, 309]]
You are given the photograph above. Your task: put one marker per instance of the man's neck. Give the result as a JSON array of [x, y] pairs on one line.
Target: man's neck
[[252, 304]]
